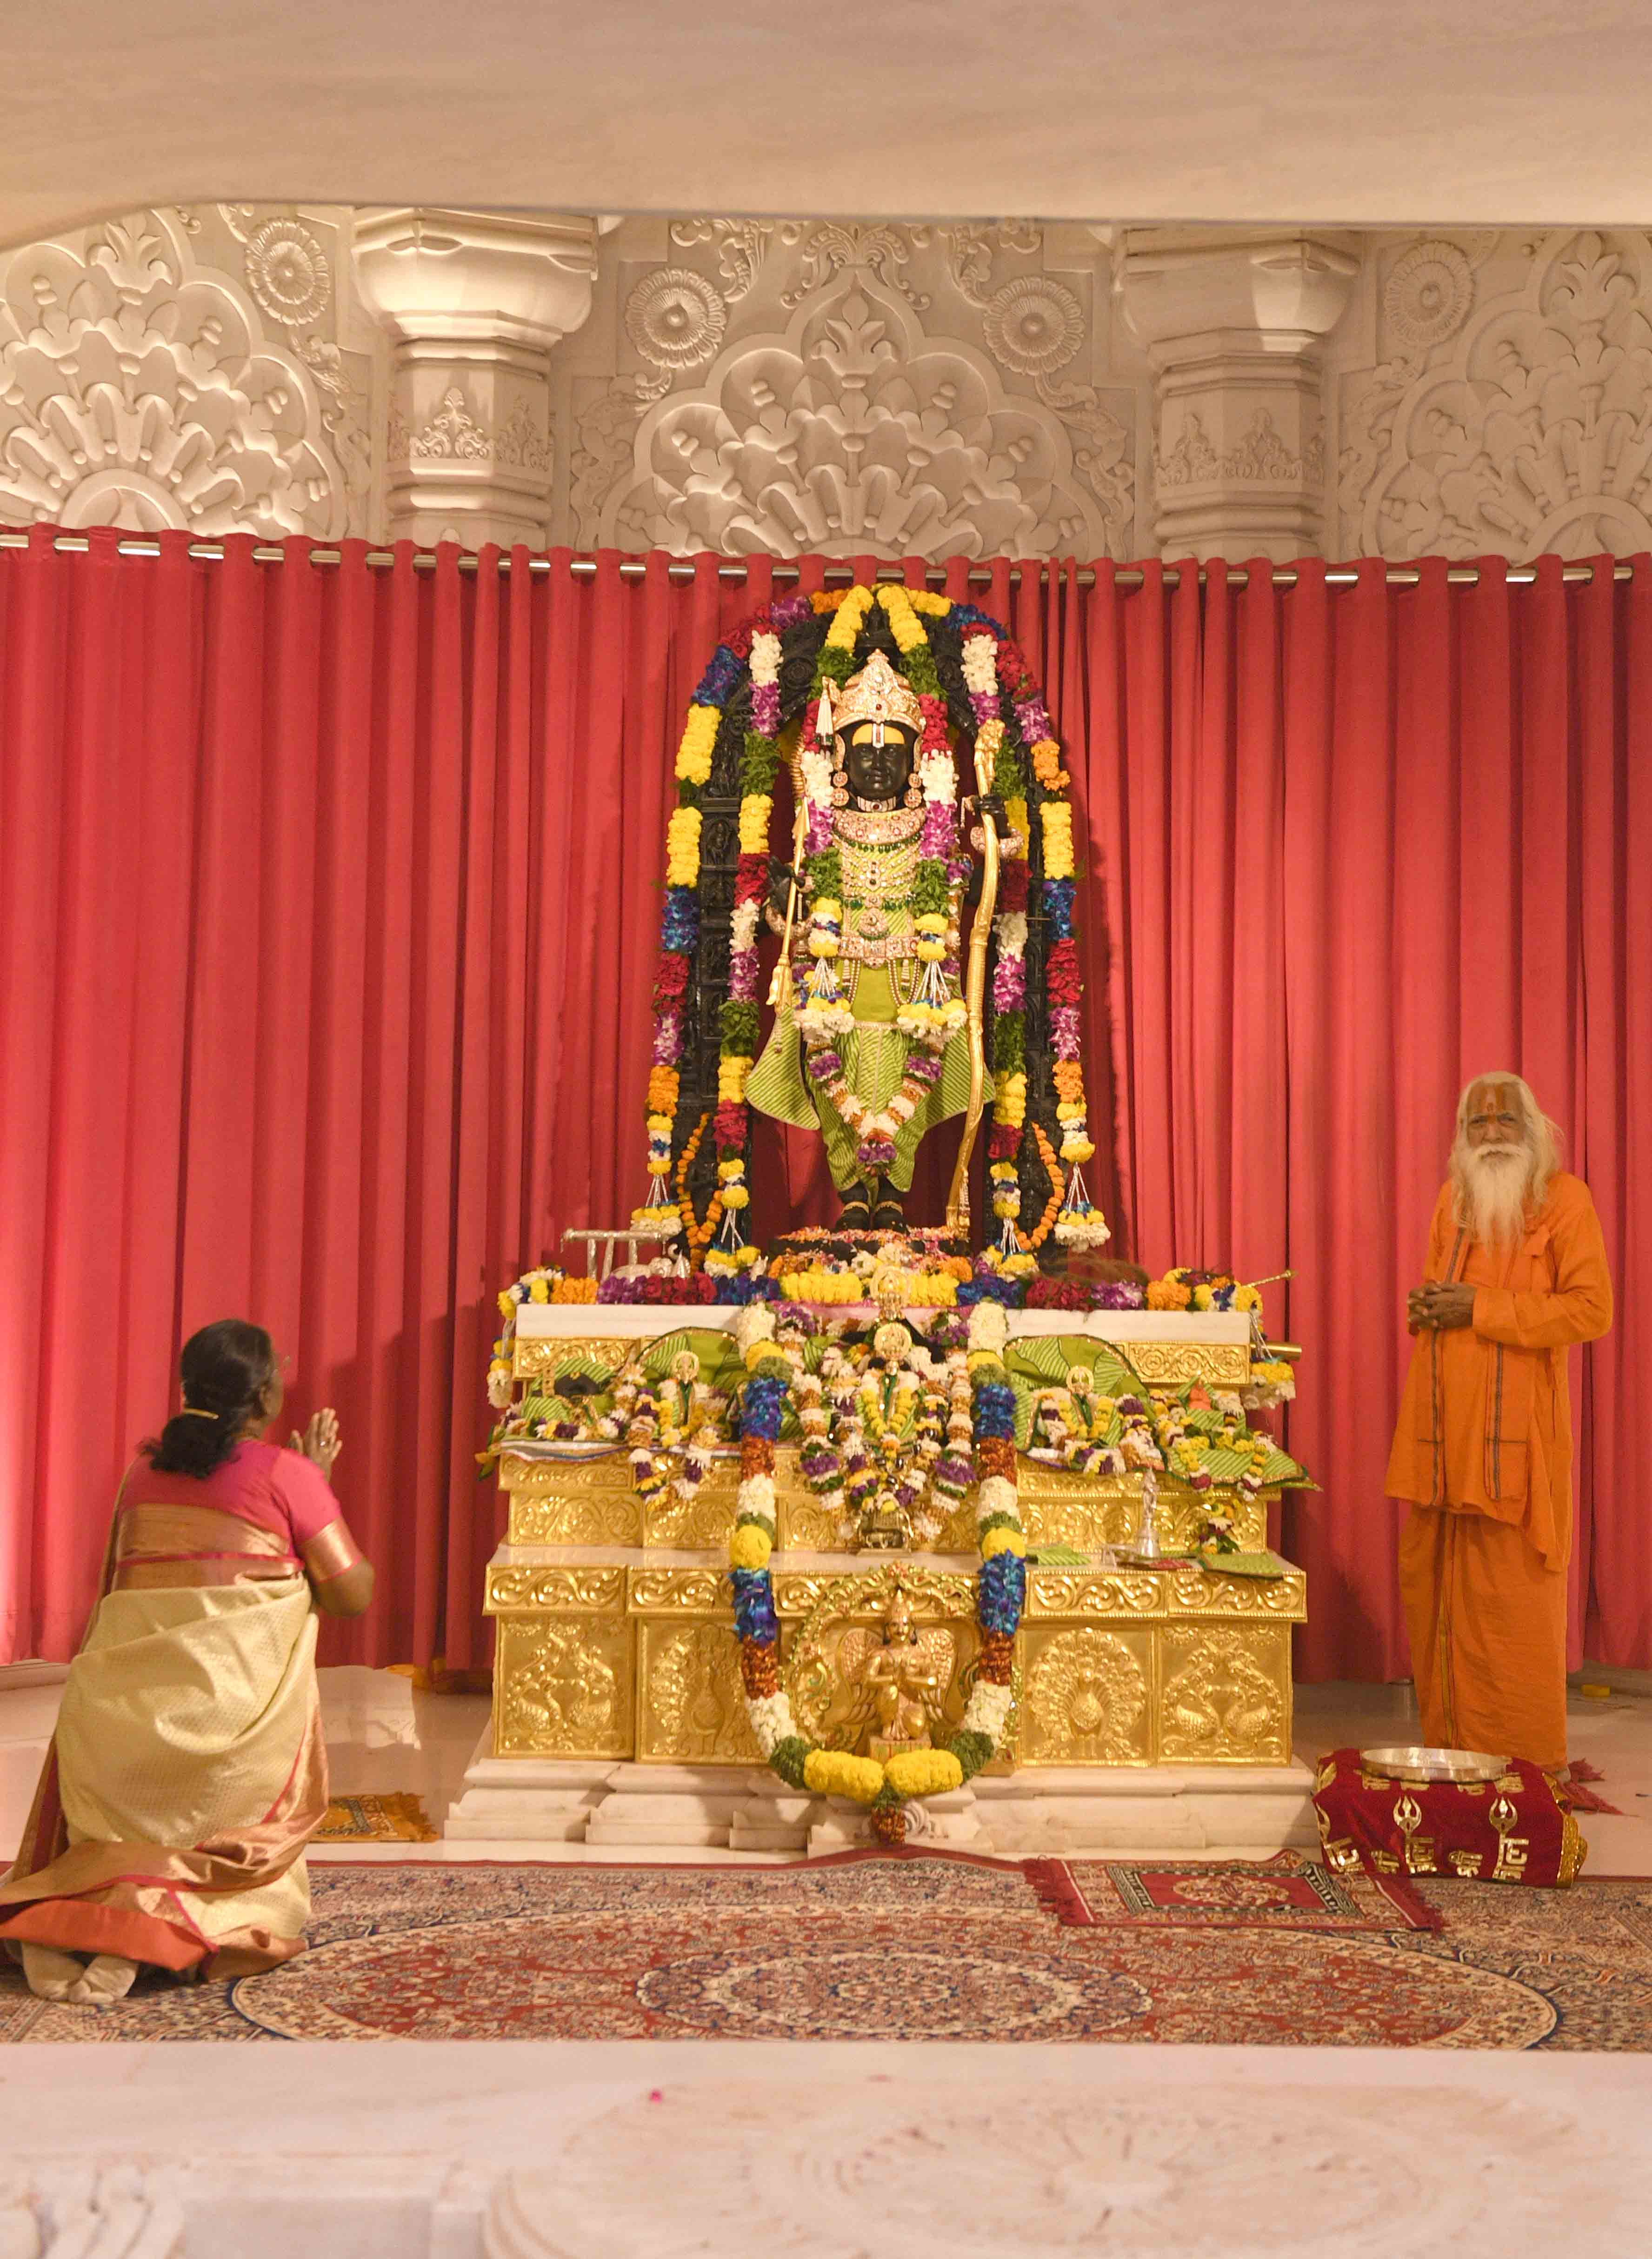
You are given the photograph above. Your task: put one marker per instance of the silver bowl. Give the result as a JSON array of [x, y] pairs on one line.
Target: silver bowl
[[1422, 1764]]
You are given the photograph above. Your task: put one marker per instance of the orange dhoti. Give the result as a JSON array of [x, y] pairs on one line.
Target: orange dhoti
[[1487, 1621], [1482, 1450]]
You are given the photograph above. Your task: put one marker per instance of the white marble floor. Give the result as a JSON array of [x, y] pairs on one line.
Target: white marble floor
[[383, 1735], [644, 2150], [545, 2151]]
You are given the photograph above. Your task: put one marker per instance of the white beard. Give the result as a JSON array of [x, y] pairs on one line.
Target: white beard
[[1493, 1184]]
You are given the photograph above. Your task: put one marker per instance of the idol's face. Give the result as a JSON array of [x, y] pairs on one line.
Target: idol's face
[[878, 771]]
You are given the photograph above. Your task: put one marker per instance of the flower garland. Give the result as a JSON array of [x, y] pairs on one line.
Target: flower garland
[[547, 1284], [981, 1379], [991, 683], [1183, 1289]]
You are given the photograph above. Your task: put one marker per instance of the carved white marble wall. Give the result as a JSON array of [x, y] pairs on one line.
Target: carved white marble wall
[[932, 391], [205, 366], [819, 384], [1490, 393]]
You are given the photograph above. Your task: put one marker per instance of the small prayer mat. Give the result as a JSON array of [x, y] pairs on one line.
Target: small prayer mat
[[398, 1818], [1514, 1829], [1288, 1891]]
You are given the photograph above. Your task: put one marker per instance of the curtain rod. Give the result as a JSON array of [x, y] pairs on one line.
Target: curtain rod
[[633, 568]]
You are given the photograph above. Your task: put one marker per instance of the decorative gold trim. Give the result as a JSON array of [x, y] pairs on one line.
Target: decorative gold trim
[[610, 1518], [330, 1551], [525, 1477], [543, 1353], [1194, 1593], [1127, 1594], [679, 1592], [511, 1591], [1175, 1364]]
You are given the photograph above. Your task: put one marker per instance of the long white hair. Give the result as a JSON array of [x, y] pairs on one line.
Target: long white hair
[[1481, 1203]]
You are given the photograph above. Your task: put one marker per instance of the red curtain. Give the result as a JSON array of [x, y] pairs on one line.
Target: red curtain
[[328, 905]]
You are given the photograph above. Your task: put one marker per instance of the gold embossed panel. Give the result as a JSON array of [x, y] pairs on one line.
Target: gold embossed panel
[[1126, 1593], [697, 1523], [1086, 1696], [563, 1687], [1225, 1694], [1176, 1364], [548, 1353], [597, 1518], [1282, 1600], [691, 1708], [512, 1590], [1057, 1508]]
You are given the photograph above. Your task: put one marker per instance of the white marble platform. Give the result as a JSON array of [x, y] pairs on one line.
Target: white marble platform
[[383, 1735], [618, 2149], [1219, 1811]]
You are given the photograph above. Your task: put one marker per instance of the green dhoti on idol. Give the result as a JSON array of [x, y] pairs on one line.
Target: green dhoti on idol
[[870, 1039]]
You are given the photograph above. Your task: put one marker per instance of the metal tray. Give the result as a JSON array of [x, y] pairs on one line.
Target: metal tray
[[1423, 1765]]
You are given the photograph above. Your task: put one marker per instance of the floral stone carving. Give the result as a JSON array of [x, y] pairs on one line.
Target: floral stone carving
[[139, 389], [850, 431], [1533, 432]]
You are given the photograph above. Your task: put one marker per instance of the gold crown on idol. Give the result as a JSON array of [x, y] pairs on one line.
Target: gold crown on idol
[[877, 693]]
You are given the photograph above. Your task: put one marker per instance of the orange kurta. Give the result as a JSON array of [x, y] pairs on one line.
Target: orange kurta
[[1483, 1449]]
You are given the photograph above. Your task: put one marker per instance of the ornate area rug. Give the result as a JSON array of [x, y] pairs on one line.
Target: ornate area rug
[[398, 1819], [917, 1947]]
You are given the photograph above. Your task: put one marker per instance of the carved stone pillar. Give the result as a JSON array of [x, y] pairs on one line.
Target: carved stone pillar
[[475, 302], [1232, 322]]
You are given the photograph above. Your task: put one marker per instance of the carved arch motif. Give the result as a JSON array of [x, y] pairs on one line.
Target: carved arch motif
[[141, 389]]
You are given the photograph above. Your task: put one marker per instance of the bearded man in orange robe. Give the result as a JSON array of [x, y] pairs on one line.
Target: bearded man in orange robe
[[1516, 1274]]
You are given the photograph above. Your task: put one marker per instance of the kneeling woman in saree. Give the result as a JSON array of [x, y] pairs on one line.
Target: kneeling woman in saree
[[187, 1773]]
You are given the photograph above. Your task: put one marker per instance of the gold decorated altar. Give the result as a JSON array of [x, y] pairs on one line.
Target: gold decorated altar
[[614, 1618], [882, 1527]]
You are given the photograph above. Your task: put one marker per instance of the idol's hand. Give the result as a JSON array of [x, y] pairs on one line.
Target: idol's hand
[[987, 805], [320, 1442], [780, 886]]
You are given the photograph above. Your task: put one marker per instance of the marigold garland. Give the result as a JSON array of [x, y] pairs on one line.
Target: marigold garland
[[1001, 1581]]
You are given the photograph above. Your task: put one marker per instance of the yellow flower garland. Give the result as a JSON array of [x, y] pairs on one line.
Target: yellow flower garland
[[700, 736], [923, 1772], [834, 1772], [682, 847], [1057, 815]]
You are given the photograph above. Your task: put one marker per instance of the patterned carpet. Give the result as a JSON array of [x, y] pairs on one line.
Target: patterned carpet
[[919, 1946]]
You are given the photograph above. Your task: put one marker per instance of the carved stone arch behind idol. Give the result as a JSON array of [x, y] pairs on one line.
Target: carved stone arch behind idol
[[852, 431]]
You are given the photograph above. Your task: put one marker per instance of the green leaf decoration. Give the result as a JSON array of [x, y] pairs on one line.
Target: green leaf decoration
[[1027, 1393], [583, 1366], [1279, 1467], [1045, 1358], [714, 1351], [1267, 1566]]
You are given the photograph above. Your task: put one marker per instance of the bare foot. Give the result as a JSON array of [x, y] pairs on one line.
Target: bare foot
[[104, 1981], [51, 1973]]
